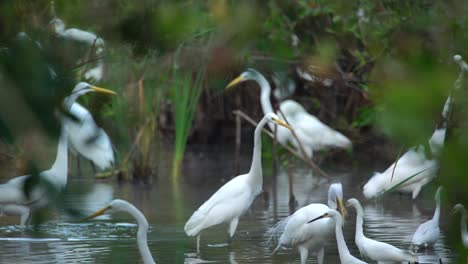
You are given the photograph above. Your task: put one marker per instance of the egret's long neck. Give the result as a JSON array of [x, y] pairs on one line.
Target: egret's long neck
[[342, 247], [255, 173], [60, 166], [265, 94], [437, 211], [463, 222], [359, 222], [142, 239]]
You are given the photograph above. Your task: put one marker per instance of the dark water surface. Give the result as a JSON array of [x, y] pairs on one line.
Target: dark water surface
[[111, 239]]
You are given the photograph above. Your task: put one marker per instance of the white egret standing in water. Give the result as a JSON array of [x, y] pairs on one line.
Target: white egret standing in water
[[312, 133], [428, 232], [464, 216], [345, 256], [89, 140], [297, 233], [376, 250], [118, 205], [234, 198], [13, 199]]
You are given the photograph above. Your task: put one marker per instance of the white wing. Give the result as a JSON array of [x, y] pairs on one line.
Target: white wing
[[230, 201], [380, 251], [427, 233]]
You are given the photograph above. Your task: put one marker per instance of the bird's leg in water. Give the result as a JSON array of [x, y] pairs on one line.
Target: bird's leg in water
[[320, 255], [304, 252], [94, 167], [232, 229], [78, 164], [198, 243], [292, 198]]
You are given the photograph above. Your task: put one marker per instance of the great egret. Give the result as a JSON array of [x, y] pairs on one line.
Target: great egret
[[13, 199], [309, 237], [118, 205], [413, 163], [464, 234], [345, 256], [313, 134], [87, 38], [372, 249], [234, 198], [89, 140], [428, 232]]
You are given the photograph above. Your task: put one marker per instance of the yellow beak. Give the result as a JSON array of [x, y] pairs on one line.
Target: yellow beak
[[342, 209], [234, 82], [282, 123], [97, 213], [102, 90]]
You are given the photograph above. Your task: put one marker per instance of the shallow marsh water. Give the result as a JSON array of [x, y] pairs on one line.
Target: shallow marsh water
[[111, 239]]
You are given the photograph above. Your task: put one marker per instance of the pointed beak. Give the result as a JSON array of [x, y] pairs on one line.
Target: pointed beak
[[342, 209], [234, 82], [282, 123], [102, 90], [318, 218], [97, 213]]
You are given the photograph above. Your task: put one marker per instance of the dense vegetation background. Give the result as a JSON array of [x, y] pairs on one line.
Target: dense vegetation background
[[390, 63]]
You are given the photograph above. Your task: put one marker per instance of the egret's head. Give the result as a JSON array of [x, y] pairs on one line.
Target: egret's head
[[114, 206], [275, 119], [249, 74], [355, 203], [83, 87], [373, 187], [329, 214], [458, 208], [57, 25], [335, 198], [438, 193]]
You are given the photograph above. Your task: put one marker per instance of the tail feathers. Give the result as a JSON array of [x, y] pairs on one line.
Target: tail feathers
[[275, 232], [194, 224]]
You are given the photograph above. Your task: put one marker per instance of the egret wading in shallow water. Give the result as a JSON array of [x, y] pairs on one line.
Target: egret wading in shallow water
[[118, 205], [312, 133], [87, 139], [428, 232], [234, 198], [464, 216], [415, 163], [345, 256], [376, 250], [297, 233], [13, 199]]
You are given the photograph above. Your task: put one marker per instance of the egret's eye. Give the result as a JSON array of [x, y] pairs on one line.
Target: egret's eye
[[325, 214]]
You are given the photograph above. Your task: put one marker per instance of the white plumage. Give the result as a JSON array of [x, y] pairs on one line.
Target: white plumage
[[376, 250], [345, 256], [89, 140], [414, 161], [87, 38], [118, 205], [464, 216], [428, 232], [234, 198], [312, 133], [297, 233], [13, 199]]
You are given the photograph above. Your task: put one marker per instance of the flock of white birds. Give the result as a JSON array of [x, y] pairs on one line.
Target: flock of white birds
[[306, 230]]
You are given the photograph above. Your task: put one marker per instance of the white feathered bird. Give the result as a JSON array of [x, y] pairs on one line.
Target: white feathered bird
[[13, 198], [345, 256], [297, 233], [414, 161], [428, 232], [89, 140], [84, 37], [464, 216], [376, 250], [234, 198], [312, 133]]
